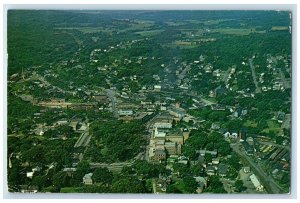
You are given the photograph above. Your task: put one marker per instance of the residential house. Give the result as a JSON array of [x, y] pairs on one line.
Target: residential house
[[215, 126], [157, 88], [210, 170], [202, 152], [87, 179], [218, 107], [242, 135], [69, 171], [201, 160], [215, 161], [202, 183], [223, 170]]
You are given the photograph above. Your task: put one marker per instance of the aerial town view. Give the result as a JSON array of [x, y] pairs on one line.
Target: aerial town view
[[149, 101]]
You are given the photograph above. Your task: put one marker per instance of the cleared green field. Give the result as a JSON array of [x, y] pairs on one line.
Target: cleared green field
[[215, 22], [279, 28], [183, 44], [171, 23], [273, 126], [249, 123], [138, 26], [237, 31], [86, 30]]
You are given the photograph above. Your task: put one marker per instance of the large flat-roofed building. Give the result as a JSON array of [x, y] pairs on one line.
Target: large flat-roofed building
[[177, 112], [159, 155], [176, 138], [125, 112], [163, 124], [171, 148], [256, 183], [159, 135]]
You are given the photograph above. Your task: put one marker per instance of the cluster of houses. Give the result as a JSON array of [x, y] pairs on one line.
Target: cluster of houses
[[78, 125], [214, 167]]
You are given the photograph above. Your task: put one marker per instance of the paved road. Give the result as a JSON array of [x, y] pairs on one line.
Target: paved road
[[207, 102], [266, 180], [154, 186], [226, 76], [9, 160], [112, 96], [257, 90], [84, 139], [149, 123], [287, 122], [183, 72]]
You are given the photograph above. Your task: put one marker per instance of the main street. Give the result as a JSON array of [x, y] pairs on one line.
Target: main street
[[112, 96]]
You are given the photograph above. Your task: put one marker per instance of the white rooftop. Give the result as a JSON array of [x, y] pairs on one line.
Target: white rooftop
[[255, 181]]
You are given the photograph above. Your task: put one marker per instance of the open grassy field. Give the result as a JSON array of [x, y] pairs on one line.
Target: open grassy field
[[249, 123], [273, 126], [208, 22], [215, 22], [237, 31], [279, 28], [174, 23], [181, 45], [139, 25], [149, 33], [86, 30], [184, 44]]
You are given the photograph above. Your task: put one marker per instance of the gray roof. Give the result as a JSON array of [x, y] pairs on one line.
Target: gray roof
[[223, 168]]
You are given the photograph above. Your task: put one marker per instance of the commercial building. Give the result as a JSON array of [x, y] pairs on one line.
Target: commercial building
[[176, 138], [171, 148], [159, 155], [159, 135], [123, 112], [256, 183], [163, 124]]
